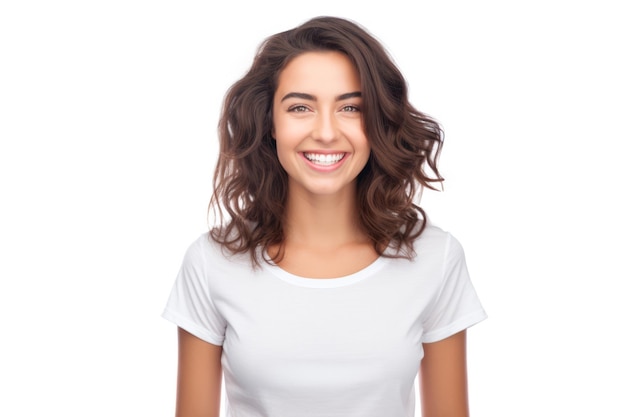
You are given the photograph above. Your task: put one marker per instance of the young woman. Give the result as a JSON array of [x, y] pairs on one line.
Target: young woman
[[324, 289]]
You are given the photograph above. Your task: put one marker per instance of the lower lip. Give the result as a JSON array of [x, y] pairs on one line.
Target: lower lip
[[324, 168]]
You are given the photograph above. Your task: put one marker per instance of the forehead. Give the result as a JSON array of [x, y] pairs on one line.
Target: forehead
[[319, 71]]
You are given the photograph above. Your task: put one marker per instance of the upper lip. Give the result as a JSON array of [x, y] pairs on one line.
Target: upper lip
[[325, 152]]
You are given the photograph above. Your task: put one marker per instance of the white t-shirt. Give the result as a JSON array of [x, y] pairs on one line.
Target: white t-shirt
[[342, 347]]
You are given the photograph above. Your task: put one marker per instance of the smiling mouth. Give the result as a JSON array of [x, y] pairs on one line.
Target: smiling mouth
[[324, 159]]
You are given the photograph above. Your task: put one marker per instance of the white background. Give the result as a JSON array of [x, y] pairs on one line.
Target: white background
[[108, 115]]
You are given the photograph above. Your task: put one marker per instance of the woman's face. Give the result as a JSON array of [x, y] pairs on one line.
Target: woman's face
[[318, 125]]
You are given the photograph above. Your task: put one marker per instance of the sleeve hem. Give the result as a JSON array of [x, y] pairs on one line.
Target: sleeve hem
[[192, 328], [455, 327]]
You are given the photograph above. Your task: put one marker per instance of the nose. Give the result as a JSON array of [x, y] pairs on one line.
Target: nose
[[326, 128]]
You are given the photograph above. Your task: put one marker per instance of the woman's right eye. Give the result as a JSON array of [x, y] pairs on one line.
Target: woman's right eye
[[298, 109]]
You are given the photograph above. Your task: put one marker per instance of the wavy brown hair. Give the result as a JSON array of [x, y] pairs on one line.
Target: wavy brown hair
[[250, 185]]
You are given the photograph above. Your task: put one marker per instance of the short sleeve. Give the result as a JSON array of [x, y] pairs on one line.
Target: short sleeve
[[456, 306], [190, 305]]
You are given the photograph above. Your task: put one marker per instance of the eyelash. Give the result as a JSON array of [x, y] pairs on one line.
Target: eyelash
[[299, 108]]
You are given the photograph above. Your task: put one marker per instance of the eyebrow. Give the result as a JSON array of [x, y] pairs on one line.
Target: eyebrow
[[305, 96]]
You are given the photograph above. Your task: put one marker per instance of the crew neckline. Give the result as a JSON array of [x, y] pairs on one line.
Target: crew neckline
[[341, 281]]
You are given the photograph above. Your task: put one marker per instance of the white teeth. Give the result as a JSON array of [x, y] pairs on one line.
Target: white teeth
[[324, 159]]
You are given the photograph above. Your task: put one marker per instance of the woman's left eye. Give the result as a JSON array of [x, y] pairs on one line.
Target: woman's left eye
[[350, 108]]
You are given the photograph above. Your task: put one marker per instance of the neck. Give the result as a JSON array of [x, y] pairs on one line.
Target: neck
[[323, 221]]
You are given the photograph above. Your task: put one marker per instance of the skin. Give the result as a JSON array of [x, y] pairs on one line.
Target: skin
[[316, 110], [199, 377], [443, 378]]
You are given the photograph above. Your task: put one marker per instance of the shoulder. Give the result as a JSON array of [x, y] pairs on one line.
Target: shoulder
[[435, 238], [203, 250], [437, 250], [205, 255], [200, 248]]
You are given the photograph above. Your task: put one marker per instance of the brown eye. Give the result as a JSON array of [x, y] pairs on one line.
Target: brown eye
[[298, 109], [351, 109]]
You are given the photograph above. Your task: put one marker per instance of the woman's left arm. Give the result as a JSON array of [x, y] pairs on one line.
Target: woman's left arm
[[443, 378]]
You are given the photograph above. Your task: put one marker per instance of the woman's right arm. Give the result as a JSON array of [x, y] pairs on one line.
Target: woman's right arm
[[199, 377]]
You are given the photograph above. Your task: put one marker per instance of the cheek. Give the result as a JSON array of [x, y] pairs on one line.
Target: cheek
[[288, 137], [285, 149], [288, 130], [360, 140], [365, 150]]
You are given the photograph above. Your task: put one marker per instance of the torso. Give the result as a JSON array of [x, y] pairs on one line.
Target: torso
[[344, 347]]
